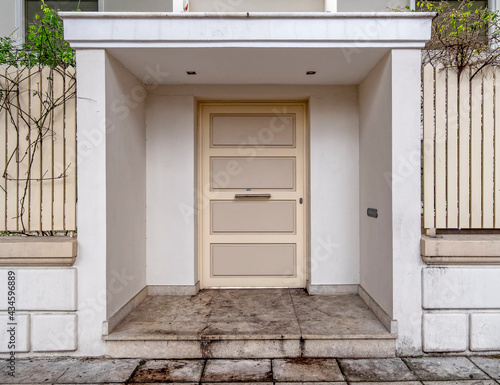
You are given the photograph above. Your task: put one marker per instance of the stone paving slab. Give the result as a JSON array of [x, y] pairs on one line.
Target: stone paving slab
[[307, 369], [461, 382], [445, 369], [490, 365], [37, 370], [391, 383], [237, 371], [376, 370], [169, 371], [88, 371], [312, 383], [238, 383]]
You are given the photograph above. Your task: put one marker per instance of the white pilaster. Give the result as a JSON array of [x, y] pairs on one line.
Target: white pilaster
[[406, 180], [179, 5], [330, 5], [92, 254]]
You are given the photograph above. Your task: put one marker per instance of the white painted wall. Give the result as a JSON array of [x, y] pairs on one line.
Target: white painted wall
[[171, 190], [390, 182], [406, 190], [92, 226], [171, 174], [125, 185], [334, 168], [375, 162], [461, 309]]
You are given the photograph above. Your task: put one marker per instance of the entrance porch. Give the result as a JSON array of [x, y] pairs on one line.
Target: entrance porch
[[253, 323], [141, 81]]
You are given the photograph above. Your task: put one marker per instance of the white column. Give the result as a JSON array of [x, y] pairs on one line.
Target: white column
[[91, 260], [330, 5], [20, 22], [179, 5], [406, 181]]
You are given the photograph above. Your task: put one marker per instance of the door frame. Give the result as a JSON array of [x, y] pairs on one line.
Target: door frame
[[202, 211]]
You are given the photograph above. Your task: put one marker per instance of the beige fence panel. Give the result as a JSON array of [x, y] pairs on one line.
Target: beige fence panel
[[452, 149], [464, 152], [70, 155], [440, 144], [428, 145], [496, 197], [488, 149], [38, 161], [460, 148], [475, 153]]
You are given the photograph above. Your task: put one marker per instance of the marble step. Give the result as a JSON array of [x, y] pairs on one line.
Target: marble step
[[334, 346]]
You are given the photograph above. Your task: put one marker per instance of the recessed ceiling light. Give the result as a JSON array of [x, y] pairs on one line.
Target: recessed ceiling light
[[191, 72], [311, 73]]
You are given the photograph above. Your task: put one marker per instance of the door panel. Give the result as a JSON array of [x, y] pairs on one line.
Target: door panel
[[253, 260], [253, 216], [252, 188], [252, 130], [253, 173]]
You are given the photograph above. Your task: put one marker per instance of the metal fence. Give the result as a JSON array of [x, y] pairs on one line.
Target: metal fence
[[461, 151], [37, 149]]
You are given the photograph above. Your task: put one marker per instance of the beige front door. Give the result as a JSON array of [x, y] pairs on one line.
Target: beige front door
[[252, 194]]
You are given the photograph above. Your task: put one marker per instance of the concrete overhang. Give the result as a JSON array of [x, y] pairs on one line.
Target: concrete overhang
[[248, 48]]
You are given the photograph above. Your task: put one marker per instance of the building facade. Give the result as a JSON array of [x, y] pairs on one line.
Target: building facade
[[319, 188]]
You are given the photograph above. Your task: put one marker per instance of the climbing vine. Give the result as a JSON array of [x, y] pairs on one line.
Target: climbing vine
[[44, 55], [466, 36]]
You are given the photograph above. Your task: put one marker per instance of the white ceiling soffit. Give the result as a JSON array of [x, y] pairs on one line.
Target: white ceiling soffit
[[249, 65]]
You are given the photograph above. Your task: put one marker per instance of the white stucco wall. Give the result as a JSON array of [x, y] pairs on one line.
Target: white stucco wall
[[390, 182], [171, 190], [92, 226], [406, 195], [125, 185], [461, 309], [375, 149], [171, 173], [334, 165]]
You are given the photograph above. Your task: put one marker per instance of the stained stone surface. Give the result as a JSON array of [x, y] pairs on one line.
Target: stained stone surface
[[445, 369], [34, 371], [391, 369], [461, 382], [307, 369], [169, 371], [311, 383], [250, 314], [390, 383], [341, 314], [237, 371], [313, 371], [489, 364], [99, 370]]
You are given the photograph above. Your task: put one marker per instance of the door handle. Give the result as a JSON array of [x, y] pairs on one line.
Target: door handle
[[252, 196]]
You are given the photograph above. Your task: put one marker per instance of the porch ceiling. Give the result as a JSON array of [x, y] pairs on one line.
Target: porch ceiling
[[248, 48], [227, 65]]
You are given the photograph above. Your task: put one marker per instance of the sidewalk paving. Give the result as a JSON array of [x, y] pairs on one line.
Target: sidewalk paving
[[307, 371]]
